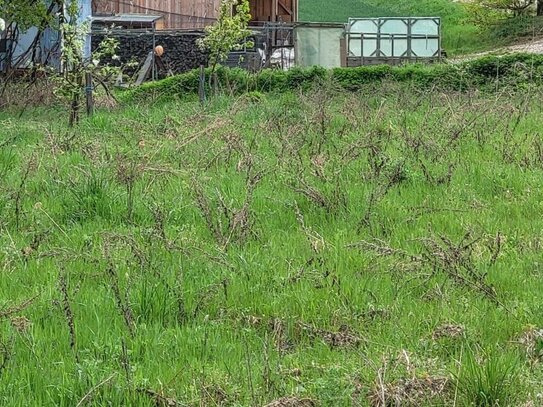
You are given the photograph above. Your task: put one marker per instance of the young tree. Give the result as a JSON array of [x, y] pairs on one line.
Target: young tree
[[228, 33], [70, 83]]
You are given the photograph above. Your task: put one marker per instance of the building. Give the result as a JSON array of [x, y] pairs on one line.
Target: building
[[35, 47], [194, 14]]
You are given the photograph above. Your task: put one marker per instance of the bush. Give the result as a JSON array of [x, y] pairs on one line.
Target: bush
[[512, 66], [514, 69], [353, 78]]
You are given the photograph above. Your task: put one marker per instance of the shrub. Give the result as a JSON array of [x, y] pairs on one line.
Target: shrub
[[514, 69]]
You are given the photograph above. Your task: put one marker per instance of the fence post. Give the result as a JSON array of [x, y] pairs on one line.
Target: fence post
[[201, 87], [89, 94]]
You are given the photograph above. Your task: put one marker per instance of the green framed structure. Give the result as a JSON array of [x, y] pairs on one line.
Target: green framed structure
[[393, 40]]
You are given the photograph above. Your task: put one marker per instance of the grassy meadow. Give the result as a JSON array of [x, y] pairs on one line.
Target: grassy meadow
[[311, 248]]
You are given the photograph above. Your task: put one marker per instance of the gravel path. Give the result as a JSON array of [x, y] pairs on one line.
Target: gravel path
[[535, 47]]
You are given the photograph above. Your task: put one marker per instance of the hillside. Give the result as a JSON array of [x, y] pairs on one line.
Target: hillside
[[459, 36]]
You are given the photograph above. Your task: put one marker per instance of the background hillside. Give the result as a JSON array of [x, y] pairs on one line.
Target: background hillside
[[459, 35]]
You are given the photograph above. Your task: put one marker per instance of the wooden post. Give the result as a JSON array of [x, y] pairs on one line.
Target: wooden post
[[273, 18], [215, 81], [89, 94], [343, 52], [154, 52], [201, 87]]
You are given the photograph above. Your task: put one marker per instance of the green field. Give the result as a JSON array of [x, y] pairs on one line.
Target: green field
[[375, 248], [459, 35]]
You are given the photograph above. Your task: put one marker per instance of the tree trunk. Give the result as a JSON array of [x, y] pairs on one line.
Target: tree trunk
[[540, 8], [76, 101], [74, 111]]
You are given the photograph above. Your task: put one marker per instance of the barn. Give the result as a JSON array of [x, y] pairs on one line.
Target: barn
[[194, 14]]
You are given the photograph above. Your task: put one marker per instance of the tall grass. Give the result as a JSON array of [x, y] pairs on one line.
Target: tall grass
[[316, 246], [490, 382]]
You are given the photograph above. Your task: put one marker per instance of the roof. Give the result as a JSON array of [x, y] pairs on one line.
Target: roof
[[126, 18]]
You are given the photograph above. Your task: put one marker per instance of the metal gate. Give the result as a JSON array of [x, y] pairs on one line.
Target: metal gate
[[393, 40]]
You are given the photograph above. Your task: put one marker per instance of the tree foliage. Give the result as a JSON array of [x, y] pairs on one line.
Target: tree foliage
[[512, 6], [504, 8], [28, 13], [229, 32], [489, 12]]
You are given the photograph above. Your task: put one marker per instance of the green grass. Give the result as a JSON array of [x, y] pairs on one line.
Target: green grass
[[459, 35], [318, 244]]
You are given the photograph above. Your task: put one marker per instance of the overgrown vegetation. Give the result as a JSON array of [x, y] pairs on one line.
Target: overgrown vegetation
[[491, 72], [307, 247]]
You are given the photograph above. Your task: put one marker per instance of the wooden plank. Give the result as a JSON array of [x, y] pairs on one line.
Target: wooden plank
[[145, 70], [343, 52], [177, 13], [284, 7]]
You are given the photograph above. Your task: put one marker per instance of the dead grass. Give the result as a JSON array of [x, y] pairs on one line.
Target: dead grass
[[292, 401], [449, 331], [532, 343], [408, 392]]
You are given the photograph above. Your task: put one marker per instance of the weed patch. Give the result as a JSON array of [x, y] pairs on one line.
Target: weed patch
[[376, 246]]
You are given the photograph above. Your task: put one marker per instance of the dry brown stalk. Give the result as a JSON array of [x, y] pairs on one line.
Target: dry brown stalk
[[68, 313]]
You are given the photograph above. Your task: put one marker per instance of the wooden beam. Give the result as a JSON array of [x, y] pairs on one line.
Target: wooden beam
[[343, 52], [274, 10], [284, 7]]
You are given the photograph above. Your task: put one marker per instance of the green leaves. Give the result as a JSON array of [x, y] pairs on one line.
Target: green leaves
[[69, 85], [25, 13], [229, 32], [487, 12]]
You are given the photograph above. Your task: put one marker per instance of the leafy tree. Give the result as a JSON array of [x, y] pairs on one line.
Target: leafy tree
[[229, 32], [489, 12], [515, 7], [28, 13], [20, 15]]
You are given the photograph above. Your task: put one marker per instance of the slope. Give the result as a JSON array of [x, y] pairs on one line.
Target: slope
[[459, 36]]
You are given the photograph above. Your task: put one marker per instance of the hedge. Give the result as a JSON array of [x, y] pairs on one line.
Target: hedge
[[513, 69]]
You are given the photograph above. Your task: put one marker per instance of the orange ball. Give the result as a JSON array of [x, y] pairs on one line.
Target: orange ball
[[159, 51]]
